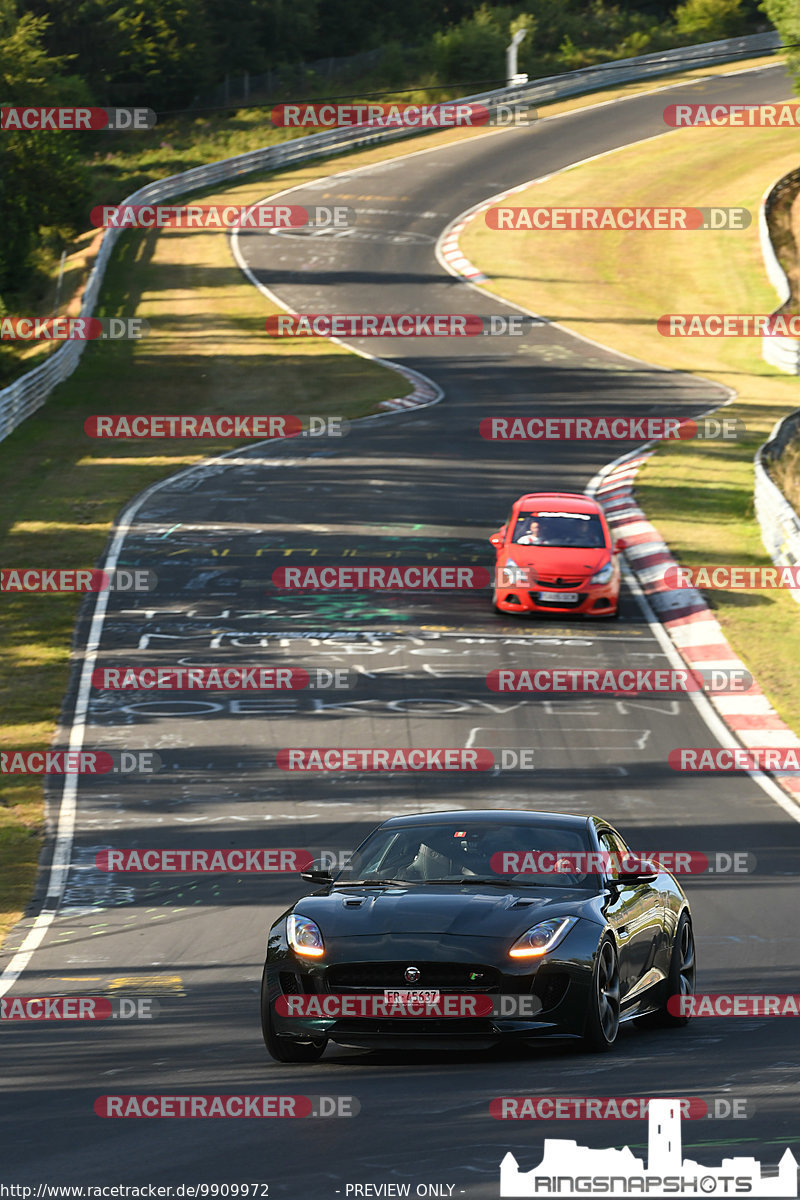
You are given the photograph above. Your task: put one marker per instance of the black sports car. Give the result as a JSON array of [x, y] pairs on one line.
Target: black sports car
[[466, 928]]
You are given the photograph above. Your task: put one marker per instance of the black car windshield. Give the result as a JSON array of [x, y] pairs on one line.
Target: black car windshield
[[535, 854], [551, 528]]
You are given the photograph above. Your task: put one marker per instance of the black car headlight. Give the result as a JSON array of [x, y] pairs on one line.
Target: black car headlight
[[542, 937], [304, 936]]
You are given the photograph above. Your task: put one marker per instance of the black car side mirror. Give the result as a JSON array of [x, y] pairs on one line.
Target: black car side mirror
[[624, 878], [317, 875]]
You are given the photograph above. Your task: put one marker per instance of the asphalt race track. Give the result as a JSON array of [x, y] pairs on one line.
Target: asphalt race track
[[420, 486]]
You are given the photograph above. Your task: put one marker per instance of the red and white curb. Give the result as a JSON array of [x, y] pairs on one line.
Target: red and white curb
[[687, 618], [425, 391], [448, 250], [452, 255]]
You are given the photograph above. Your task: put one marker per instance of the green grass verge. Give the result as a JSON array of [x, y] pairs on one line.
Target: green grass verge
[[613, 286]]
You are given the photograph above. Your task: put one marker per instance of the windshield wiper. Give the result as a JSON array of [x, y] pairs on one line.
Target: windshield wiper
[[371, 882], [493, 880]]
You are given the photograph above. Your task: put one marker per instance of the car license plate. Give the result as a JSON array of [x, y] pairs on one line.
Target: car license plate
[[415, 996], [561, 597]]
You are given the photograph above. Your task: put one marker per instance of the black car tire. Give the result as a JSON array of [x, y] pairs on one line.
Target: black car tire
[[682, 972], [284, 1050], [602, 1019], [501, 612]]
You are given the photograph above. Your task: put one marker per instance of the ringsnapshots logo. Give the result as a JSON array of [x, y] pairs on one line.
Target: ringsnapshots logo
[[75, 119], [567, 1169], [610, 429], [598, 218], [374, 115]]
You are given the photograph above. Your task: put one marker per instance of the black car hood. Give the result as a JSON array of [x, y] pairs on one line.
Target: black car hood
[[470, 910]]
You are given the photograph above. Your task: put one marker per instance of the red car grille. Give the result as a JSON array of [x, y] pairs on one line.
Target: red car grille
[[560, 581]]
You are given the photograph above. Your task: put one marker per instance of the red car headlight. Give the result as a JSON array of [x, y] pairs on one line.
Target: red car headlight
[[604, 574]]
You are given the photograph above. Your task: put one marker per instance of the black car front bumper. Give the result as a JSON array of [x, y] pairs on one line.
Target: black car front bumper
[[556, 990]]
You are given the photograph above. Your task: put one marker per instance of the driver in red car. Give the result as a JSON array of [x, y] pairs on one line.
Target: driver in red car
[[531, 533]]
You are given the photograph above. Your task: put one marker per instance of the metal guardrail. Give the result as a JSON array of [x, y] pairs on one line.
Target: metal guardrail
[[778, 521], [28, 393], [780, 524], [780, 352]]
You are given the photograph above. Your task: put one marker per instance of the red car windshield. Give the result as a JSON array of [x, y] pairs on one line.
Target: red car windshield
[[559, 529]]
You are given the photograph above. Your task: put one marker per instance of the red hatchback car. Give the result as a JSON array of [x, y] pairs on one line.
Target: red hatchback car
[[555, 553]]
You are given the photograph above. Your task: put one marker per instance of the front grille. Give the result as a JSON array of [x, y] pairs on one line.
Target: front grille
[[297, 985], [542, 600], [558, 581], [290, 985], [351, 977]]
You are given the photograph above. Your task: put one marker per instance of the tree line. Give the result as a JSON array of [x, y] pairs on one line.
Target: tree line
[[165, 54]]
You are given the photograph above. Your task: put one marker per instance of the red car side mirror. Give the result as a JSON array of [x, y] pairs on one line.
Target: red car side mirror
[[498, 538]]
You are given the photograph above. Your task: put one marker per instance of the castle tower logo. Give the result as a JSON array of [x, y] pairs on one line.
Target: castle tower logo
[[568, 1169]]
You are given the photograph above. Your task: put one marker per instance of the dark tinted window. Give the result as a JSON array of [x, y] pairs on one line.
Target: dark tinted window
[[518, 853]]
